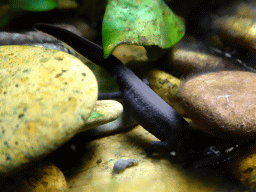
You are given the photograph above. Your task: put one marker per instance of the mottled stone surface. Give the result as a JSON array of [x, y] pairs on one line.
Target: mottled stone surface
[[243, 167], [222, 103], [46, 97], [166, 86], [43, 176], [130, 53]]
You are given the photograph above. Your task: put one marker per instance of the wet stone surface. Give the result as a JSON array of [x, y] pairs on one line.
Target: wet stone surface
[[44, 176], [222, 103], [166, 86], [46, 97]]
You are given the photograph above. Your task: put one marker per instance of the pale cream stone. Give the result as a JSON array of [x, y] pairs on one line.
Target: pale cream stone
[[104, 111]]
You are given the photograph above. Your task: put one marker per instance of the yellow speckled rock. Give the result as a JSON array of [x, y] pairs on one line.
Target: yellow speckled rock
[[46, 97], [166, 86], [44, 177], [244, 168], [130, 53]]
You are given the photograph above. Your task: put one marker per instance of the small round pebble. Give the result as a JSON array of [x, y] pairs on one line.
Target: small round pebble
[[104, 111], [46, 97], [124, 122], [46, 177], [222, 103], [121, 164]]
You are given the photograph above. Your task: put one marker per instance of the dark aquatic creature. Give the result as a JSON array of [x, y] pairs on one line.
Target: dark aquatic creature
[[150, 110]]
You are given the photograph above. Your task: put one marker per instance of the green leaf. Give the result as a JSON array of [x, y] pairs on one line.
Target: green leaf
[[95, 115], [33, 5], [140, 22]]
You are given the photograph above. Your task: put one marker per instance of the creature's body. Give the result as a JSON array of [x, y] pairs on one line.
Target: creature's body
[[150, 110]]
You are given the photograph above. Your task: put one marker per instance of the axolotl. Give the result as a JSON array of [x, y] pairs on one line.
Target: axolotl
[[156, 116]]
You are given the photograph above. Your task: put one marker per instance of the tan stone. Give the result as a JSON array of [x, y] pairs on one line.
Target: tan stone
[[191, 58], [222, 103], [166, 86], [243, 166], [43, 177], [104, 111], [128, 53]]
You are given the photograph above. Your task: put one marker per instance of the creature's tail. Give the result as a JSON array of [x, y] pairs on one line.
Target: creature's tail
[[82, 46]]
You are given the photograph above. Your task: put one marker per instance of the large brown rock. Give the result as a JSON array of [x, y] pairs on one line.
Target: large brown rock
[[222, 103]]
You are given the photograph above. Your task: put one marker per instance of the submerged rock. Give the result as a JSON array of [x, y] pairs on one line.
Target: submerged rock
[[166, 86], [222, 103], [103, 112], [124, 122], [243, 167], [44, 176], [235, 25], [46, 98]]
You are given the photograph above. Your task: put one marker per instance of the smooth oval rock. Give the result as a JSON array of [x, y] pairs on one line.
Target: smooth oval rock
[[123, 123], [189, 56], [222, 103], [236, 25], [104, 111], [43, 176], [46, 97]]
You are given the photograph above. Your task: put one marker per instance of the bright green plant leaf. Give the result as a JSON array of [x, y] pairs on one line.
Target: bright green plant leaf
[[33, 5], [95, 115], [140, 22]]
